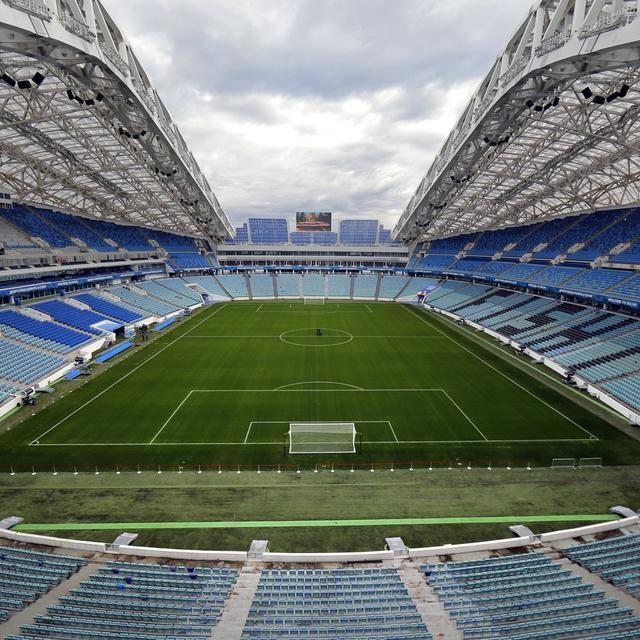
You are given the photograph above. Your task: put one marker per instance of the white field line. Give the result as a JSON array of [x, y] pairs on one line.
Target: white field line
[[459, 408], [504, 375], [126, 375], [241, 444], [297, 384], [260, 307], [256, 336], [160, 430]]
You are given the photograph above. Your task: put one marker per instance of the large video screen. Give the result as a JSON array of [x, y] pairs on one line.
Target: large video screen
[[313, 221]]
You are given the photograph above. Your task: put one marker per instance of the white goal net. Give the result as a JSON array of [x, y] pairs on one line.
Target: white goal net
[[314, 300], [322, 437]]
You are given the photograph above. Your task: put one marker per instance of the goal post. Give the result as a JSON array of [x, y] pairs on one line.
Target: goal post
[[308, 300], [322, 437]]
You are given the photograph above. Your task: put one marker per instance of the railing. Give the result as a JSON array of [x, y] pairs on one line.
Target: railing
[[77, 28], [607, 22], [115, 58], [35, 8], [554, 42], [516, 67]]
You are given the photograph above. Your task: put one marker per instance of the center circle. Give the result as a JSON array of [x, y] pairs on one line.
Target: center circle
[[319, 337]]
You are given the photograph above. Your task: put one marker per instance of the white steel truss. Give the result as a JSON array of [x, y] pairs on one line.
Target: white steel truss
[[554, 127], [83, 130]]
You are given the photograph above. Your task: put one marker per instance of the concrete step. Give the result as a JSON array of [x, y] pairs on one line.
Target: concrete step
[[236, 608]]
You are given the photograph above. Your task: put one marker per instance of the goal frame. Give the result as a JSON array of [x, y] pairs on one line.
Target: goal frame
[[313, 300], [323, 445]]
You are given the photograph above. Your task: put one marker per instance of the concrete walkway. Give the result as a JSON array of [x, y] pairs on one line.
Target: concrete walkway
[[236, 608]]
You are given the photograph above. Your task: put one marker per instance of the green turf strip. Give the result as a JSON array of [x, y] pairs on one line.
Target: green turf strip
[[275, 524]]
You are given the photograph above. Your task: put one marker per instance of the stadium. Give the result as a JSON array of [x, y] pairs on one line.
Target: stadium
[[308, 427]]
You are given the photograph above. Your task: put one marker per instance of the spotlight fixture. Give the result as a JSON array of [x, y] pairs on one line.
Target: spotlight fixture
[[8, 79]]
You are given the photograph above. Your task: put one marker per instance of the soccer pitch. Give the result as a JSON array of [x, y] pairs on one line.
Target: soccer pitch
[[223, 387]]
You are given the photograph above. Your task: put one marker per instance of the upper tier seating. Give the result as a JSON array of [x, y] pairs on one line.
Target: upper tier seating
[[435, 262], [125, 236], [31, 223], [452, 245], [624, 230], [495, 267], [131, 601], [527, 596], [490, 242], [338, 286], [12, 238], [371, 604], [582, 229], [392, 286], [209, 283], [616, 560], [74, 227], [121, 312], [43, 329], [71, 316], [629, 289], [288, 285], [542, 233], [149, 304], [313, 285], [188, 260], [262, 285], [364, 286], [27, 575], [522, 272], [22, 365], [555, 276], [236, 285], [171, 242]]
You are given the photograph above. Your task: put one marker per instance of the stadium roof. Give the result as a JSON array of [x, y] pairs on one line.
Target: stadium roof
[[552, 129], [83, 130]]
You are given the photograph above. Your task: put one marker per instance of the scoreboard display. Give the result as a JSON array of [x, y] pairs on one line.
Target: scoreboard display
[[313, 221]]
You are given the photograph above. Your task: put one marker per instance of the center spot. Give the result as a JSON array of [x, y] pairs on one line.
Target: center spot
[[318, 337]]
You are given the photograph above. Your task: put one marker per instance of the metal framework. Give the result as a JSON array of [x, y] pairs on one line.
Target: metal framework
[[83, 130], [552, 129]]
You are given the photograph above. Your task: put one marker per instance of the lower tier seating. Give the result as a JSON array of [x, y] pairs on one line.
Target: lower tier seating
[[527, 597]]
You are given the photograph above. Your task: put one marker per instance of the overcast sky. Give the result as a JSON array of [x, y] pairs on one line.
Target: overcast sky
[[331, 105]]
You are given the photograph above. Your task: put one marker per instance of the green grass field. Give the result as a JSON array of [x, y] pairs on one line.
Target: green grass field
[[223, 386]]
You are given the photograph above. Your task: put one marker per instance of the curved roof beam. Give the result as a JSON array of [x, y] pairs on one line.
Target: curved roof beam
[[83, 129], [552, 129]]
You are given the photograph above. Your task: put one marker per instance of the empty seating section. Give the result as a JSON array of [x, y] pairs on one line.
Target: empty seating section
[[23, 365], [579, 229], [43, 329], [288, 285], [435, 262], [616, 560], [170, 241], [236, 285], [365, 286], [138, 601], [455, 296], [125, 236], [169, 293], [490, 242], [208, 283], [494, 267], [337, 604], [485, 303], [12, 237], [466, 265], [74, 227], [555, 275], [122, 312], [527, 597], [522, 272], [628, 288], [28, 339], [6, 391], [626, 389], [338, 286], [179, 287], [149, 304], [262, 285], [416, 285], [71, 316], [392, 286], [452, 245], [27, 575], [624, 230], [313, 285], [33, 225], [188, 260], [596, 280]]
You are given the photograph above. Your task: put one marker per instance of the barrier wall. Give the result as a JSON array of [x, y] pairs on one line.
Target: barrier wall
[[318, 558]]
